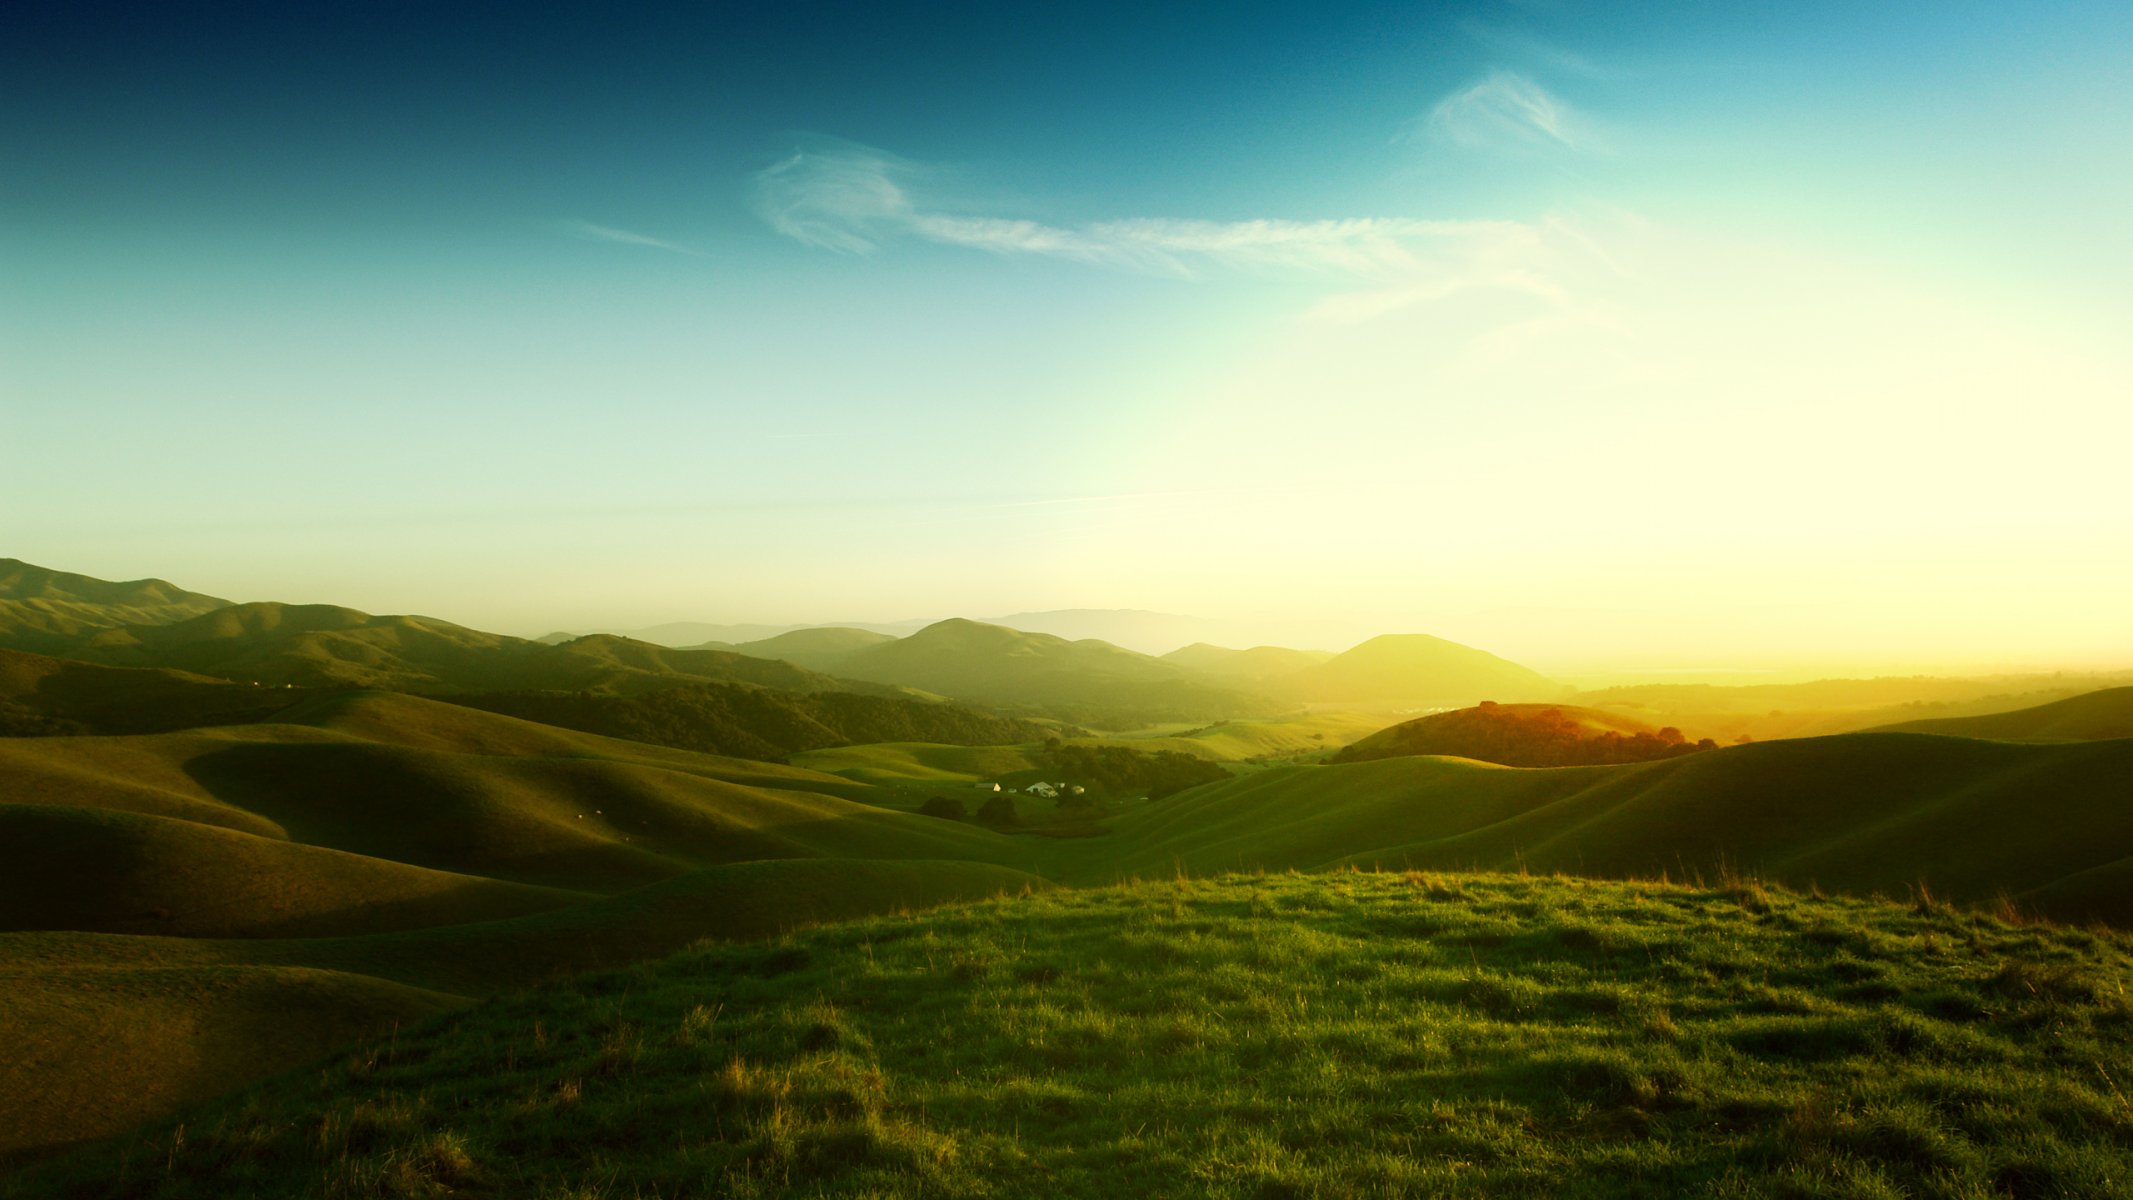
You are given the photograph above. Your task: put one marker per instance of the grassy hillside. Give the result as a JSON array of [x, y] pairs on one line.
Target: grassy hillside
[[1858, 813], [376, 856], [1262, 739], [1524, 735], [1827, 706], [751, 722], [1088, 682], [2086, 718], [1417, 670], [40, 695], [1345, 1034], [42, 610], [920, 762]]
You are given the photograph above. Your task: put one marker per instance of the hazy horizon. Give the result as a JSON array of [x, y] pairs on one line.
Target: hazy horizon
[[1664, 338]]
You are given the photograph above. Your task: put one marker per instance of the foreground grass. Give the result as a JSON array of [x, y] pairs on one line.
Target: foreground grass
[[1284, 1035]]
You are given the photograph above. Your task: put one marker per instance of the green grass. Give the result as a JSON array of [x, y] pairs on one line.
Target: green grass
[[921, 762], [1281, 1035], [1305, 734]]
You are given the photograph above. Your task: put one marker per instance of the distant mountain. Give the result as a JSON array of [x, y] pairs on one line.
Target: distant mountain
[[1089, 682], [1417, 670], [317, 645], [1132, 628], [1135, 629], [1260, 665], [820, 649], [42, 609], [2094, 717]]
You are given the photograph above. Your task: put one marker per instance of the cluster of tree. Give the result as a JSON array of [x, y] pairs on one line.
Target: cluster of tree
[[1119, 769], [1545, 737], [748, 722]]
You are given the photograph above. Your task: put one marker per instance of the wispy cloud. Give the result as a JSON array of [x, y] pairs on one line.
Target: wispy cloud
[[1520, 44], [1509, 111], [607, 233], [854, 198]]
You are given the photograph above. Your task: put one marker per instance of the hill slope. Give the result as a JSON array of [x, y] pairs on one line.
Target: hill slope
[[1861, 812], [823, 649], [1523, 735], [1346, 1034], [317, 645], [374, 857], [749, 722], [41, 695], [2093, 717], [42, 609]]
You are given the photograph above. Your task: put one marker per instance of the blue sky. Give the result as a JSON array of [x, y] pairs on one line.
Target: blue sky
[[1385, 317]]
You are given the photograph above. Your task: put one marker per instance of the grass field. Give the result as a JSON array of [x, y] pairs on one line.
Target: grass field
[[256, 896], [1249, 1036]]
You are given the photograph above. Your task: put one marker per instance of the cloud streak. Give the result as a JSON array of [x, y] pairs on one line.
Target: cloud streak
[[607, 233], [1508, 110], [854, 199]]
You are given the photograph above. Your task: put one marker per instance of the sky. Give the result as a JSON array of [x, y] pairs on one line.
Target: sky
[[1664, 336]]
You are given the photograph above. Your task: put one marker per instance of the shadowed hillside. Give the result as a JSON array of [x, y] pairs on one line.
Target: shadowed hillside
[[2089, 718], [40, 695], [749, 722]]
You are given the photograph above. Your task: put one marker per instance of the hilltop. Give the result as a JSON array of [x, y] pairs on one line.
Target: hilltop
[[2094, 716], [1418, 670], [1343, 1034]]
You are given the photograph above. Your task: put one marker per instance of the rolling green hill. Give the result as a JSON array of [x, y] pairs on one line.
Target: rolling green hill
[[1857, 813], [374, 856], [1086, 682], [1327, 1035], [42, 610], [2087, 718]]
